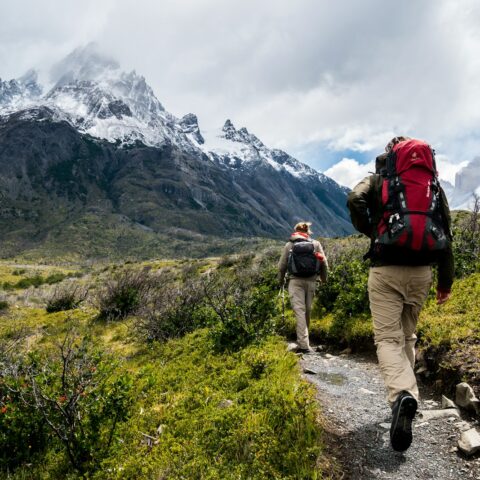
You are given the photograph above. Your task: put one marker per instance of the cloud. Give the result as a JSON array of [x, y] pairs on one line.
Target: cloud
[[343, 75], [348, 172], [447, 170]]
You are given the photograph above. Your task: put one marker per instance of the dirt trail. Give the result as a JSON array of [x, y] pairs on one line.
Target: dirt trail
[[352, 395]]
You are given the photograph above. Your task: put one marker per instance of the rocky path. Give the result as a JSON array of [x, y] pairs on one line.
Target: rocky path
[[352, 396]]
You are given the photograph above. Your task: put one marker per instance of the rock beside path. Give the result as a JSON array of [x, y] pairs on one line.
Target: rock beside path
[[469, 442]]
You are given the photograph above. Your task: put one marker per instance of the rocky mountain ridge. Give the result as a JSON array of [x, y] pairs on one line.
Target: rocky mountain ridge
[[98, 146]]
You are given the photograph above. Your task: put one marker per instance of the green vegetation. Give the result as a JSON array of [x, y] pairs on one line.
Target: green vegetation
[[34, 281], [341, 313], [178, 368], [66, 298], [169, 382]]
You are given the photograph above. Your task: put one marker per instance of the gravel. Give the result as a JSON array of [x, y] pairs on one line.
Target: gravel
[[357, 417]]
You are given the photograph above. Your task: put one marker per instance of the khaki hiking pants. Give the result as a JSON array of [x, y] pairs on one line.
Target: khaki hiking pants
[[397, 294], [301, 293]]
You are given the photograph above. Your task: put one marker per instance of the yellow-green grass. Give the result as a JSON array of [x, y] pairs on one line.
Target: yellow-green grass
[[243, 415], [456, 321]]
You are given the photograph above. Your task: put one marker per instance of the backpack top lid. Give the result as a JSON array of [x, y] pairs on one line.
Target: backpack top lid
[[300, 237], [413, 153]]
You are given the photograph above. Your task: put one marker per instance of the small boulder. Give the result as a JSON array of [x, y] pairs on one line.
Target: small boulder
[[366, 392], [465, 397], [447, 403], [428, 415], [225, 404], [469, 442]]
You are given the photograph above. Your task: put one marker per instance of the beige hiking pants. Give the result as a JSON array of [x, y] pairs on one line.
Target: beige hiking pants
[[397, 294], [301, 293]]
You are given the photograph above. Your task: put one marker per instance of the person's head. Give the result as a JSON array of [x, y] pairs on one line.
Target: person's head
[[394, 141], [303, 227]]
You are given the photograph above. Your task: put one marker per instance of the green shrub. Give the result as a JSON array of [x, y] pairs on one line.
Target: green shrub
[[466, 241], [66, 298], [71, 399], [28, 282], [124, 294], [346, 291], [245, 305], [175, 307], [55, 278]]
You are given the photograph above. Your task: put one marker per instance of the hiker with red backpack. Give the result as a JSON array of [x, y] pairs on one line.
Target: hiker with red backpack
[[403, 210], [302, 263]]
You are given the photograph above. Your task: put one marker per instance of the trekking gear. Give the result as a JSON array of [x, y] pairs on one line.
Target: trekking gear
[[403, 412], [303, 261], [410, 198]]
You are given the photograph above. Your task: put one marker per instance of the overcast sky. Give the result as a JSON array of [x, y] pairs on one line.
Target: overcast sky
[[324, 80]]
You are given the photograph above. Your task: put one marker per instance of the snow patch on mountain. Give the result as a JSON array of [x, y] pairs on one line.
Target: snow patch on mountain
[[91, 92]]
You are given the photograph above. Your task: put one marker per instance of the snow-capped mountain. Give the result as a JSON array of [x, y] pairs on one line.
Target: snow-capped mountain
[[93, 94], [467, 182], [16, 94], [98, 138]]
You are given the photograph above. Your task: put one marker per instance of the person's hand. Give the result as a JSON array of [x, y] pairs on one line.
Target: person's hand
[[442, 296]]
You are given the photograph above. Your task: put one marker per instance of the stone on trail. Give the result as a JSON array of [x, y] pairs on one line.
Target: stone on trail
[[465, 397], [291, 347], [329, 356], [447, 403], [423, 424], [366, 392], [311, 371], [428, 415], [469, 442]]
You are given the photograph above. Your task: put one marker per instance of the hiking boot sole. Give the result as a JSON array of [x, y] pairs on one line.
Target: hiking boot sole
[[401, 429]]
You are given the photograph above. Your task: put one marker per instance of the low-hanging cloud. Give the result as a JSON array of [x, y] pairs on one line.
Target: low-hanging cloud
[[345, 75]]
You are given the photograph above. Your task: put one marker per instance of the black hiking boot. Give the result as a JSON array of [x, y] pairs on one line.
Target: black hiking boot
[[403, 411], [305, 350]]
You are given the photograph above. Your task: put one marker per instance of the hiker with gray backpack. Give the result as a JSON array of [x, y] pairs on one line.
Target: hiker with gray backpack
[[302, 263], [403, 210]]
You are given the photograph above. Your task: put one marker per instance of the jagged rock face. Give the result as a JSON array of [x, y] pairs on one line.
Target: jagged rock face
[[100, 143], [16, 92]]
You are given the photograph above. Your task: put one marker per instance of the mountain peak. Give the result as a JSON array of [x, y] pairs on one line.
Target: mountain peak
[[189, 125], [84, 63], [241, 136], [228, 126]]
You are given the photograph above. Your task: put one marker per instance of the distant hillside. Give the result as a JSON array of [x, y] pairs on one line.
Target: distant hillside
[[97, 167]]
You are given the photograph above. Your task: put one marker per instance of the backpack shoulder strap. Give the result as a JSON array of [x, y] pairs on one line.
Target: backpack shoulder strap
[[390, 169]]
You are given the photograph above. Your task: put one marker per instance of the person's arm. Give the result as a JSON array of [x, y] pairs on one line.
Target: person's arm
[[446, 264], [358, 203], [324, 262], [282, 264], [446, 272]]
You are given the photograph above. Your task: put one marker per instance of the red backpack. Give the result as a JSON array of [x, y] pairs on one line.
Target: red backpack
[[411, 198]]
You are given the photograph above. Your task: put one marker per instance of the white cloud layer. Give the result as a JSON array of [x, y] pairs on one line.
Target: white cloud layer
[[348, 172], [344, 74]]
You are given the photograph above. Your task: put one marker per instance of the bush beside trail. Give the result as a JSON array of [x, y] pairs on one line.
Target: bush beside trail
[[188, 368]]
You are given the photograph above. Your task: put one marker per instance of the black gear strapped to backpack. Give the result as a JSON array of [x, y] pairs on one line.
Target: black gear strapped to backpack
[[302, 261]]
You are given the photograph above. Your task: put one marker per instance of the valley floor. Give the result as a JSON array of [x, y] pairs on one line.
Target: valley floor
[[352, 395]]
